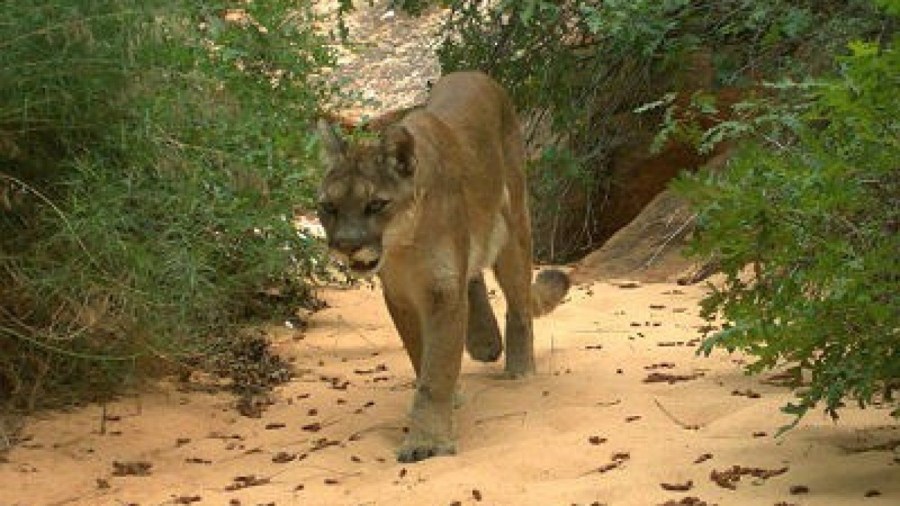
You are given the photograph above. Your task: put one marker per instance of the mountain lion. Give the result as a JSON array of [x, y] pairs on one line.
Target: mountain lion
[[427, 204]]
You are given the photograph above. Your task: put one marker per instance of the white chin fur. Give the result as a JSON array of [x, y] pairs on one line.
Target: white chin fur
[[364, 256], [369, 272], [367, 256]]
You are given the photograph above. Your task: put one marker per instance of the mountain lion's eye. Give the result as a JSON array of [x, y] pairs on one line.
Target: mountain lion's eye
[[376, 206], [327, 208]]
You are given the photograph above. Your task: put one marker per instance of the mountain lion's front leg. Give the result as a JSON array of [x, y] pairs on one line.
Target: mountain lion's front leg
[[443, 331]]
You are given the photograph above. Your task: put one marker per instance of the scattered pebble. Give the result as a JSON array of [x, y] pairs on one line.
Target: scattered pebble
[[678, 487], [687, 501], [729, 478], [284, 457], [244, 481], [617, 458], [131, 468], [659, 365], [703, 458], [621, 456]]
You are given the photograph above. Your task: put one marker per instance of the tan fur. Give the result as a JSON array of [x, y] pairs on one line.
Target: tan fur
[[427, 204]]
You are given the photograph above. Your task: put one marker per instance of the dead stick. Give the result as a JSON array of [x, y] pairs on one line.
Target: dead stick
[[103, 418], [673, 418], [501, 417]]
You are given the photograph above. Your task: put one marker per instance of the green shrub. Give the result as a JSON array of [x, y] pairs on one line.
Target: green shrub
[[811, 204], [579, 69], [813, 208], [151, 154]]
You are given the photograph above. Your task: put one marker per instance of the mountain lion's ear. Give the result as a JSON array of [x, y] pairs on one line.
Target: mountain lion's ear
[[334, 145], [398, 146]]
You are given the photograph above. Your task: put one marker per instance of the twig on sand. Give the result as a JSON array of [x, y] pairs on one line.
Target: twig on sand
[[670, 416], [342, 474], [103, 418], [253, 481], [376, 427], [486, 419], [669, 239]]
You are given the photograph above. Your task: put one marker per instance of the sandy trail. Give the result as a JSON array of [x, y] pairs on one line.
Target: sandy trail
[[587, 429]]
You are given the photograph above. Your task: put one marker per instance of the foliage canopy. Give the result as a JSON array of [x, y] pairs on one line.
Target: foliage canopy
[[580, 69], [150, 156], [813, 207], [810, 198]]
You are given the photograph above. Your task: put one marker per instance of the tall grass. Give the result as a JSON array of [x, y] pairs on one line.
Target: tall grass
[[151, 153]]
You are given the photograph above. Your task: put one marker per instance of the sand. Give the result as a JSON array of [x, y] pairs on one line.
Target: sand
[[586, 429]]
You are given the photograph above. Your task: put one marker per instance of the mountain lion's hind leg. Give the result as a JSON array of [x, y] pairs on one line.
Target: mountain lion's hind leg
[[483, 340], [513, 272]]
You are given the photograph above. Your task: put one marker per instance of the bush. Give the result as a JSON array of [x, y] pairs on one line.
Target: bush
[[813, 208], [151, 153], [579, 69], [811, 204]]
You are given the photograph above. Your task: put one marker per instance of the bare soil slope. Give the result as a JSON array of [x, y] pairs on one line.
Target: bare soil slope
[[648, 249]]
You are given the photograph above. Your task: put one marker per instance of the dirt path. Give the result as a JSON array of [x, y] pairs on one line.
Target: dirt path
[[587, 429]]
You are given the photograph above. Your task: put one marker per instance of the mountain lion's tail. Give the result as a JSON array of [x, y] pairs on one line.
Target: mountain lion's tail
[[548, 291]]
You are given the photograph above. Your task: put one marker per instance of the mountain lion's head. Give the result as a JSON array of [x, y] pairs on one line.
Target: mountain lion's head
[[368, 184]]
